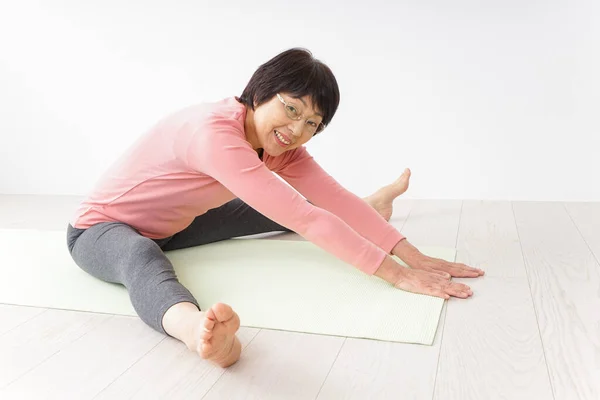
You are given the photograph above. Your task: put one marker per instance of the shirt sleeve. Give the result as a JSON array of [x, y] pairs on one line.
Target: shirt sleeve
[[225, 155], [303, 173]]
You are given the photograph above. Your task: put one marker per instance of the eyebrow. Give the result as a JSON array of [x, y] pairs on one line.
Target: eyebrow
[[305, 105]]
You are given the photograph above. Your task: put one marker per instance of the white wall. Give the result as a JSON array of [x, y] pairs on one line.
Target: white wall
[[482, 99]]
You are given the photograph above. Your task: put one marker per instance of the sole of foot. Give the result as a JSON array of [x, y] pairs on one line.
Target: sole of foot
[[216, 340]]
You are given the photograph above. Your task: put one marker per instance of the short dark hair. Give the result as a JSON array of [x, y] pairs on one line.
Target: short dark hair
[[297, 72]]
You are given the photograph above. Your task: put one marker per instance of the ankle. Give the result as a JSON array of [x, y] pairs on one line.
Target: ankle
[[180, 319]]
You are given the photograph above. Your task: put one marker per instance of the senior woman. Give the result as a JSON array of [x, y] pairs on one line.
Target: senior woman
[[207, 173]]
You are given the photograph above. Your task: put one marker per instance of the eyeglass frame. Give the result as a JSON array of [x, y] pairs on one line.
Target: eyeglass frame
[[301, 116]]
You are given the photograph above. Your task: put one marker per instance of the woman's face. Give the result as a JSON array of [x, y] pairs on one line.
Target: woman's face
[[277, 131]]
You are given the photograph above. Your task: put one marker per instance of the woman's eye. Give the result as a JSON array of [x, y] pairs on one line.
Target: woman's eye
[[313, 124], [292, 110]]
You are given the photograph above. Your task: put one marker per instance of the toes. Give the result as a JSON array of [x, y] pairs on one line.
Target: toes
[[222, 312], [206, 335], [209, 324], [234, 322], [405, 176], [210, 315], [206, 349]]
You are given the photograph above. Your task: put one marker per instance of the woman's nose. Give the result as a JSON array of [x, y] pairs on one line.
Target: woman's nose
[[298, 128]]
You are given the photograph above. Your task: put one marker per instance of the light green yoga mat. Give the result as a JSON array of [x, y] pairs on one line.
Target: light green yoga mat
[[273, 284]]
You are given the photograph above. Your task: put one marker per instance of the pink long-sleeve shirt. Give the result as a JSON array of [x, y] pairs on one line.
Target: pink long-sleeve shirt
[[198, 159]]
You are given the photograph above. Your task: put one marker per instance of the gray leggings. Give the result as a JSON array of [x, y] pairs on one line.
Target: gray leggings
[[117, 253]]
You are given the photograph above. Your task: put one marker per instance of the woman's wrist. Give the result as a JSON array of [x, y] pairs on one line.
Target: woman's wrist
[[407, 252], [389, 270]]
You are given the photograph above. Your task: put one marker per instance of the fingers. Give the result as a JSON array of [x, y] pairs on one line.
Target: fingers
[[416, 281], [463, 271], [448, 289], [459, 270], [471, 270], [443, 274], [458, 291], [433, 290], [433, 284]]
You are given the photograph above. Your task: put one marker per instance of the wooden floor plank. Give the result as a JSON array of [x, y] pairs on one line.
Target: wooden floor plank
[[32, 342], [488, 239], [587, 219], [565, 284], [492, 347], [169, 371], [12, 316], [279, 365], [87, 365], [369, 369], [372, 369]]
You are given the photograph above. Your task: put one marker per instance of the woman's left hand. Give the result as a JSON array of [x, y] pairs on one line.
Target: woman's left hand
[[445, 268], [417, 260]]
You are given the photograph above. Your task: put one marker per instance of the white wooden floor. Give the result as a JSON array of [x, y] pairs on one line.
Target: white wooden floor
[[530, 331]]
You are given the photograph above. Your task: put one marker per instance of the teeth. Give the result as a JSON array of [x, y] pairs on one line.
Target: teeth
[[281, 138]]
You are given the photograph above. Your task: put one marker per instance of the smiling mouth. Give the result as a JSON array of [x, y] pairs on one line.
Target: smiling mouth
[[281, 139]]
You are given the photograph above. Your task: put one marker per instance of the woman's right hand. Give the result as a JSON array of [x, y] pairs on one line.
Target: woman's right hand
[[423, 282]]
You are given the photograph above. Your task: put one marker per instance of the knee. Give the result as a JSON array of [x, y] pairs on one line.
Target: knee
[[146, 264]]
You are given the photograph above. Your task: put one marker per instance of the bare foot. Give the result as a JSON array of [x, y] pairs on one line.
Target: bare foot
[[214, 337], [382, 199]]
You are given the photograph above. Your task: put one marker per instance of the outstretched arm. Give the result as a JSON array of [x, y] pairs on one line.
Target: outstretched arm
[[306, 175], [226, 156]]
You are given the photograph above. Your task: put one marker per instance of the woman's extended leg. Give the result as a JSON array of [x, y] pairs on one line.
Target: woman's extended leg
[[115, 252], [233, 219]]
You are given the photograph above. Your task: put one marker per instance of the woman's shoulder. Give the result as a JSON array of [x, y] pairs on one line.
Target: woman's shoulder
[[207, 120], [210, 112], [227, 108]]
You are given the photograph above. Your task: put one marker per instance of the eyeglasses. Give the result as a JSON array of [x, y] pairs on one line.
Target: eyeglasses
[[294, 113]]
